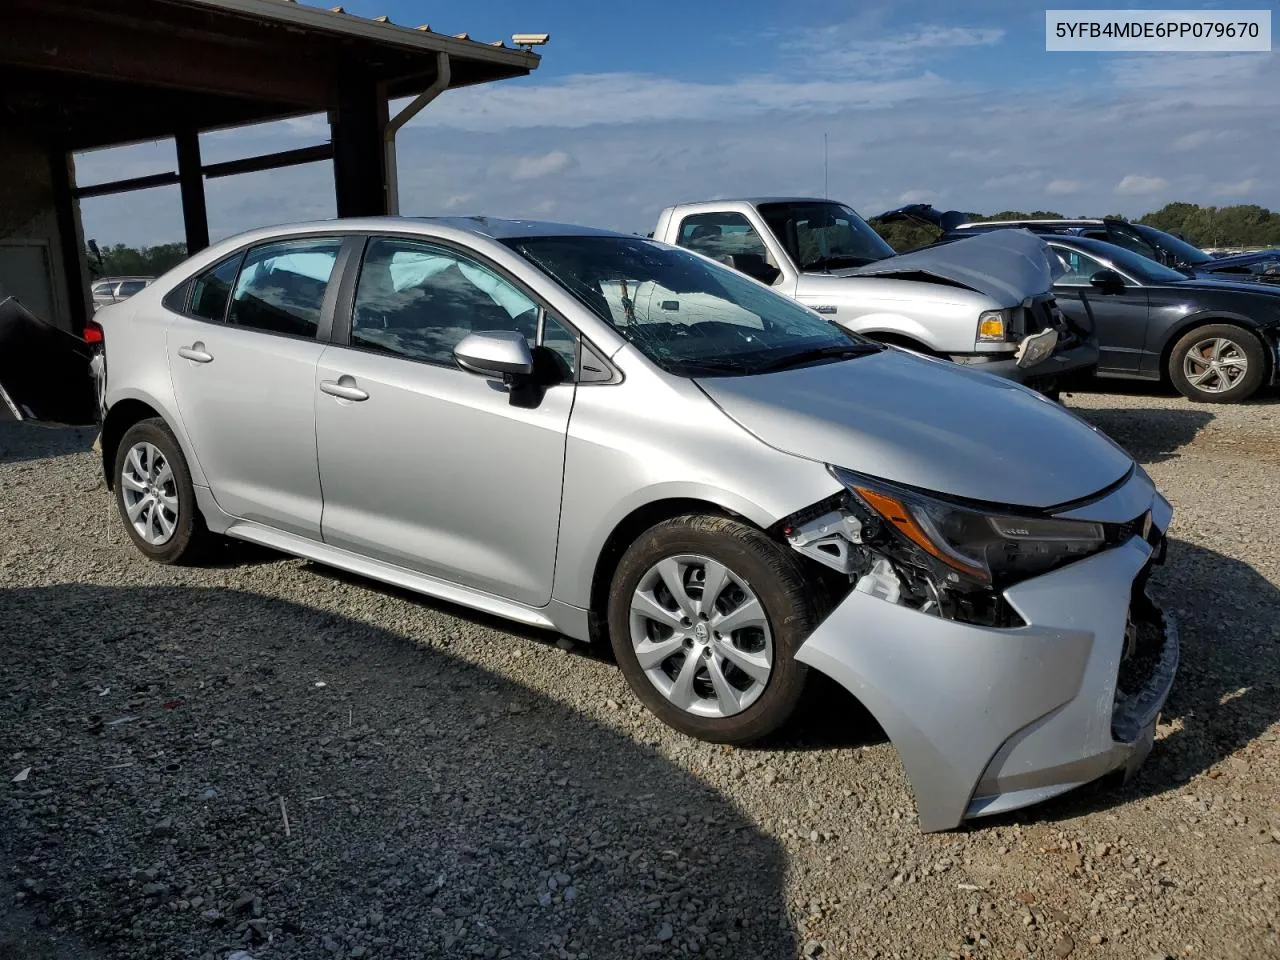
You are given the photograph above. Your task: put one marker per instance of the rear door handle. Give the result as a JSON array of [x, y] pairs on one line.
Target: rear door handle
[[344, 387], [196, 352]]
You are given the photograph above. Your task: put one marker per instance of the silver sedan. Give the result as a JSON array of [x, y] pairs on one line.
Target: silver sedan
[[608, 437]]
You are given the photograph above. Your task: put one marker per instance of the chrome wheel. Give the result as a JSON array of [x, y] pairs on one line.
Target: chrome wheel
[[1215, 364], [701, 636], [150, 493]]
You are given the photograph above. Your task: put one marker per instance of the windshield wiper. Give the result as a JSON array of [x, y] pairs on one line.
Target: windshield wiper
[[842, 351]]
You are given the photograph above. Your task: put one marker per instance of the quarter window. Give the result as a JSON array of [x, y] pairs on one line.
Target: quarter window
[[281, 286], [418, 300], [212, 289]]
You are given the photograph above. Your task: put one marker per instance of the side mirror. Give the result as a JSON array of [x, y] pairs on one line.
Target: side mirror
[[495, 353], [1107, 280]]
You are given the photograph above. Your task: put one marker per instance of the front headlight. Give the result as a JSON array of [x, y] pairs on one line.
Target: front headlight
[[966, 545]]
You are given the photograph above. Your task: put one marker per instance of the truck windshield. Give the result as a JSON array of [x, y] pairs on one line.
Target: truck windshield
[[689, 315], [822, 235]]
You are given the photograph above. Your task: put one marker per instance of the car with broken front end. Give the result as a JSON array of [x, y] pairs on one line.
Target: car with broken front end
[[985, 304], [622, 440]]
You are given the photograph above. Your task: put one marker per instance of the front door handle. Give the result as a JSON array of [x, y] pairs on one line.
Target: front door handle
[[344, 387], [196, 352]]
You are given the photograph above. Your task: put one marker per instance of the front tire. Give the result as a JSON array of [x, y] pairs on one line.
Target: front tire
[[1218, 363], [154, 493], [705, 617]]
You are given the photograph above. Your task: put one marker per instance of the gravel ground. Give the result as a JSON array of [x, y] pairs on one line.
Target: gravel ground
[[266, 756]]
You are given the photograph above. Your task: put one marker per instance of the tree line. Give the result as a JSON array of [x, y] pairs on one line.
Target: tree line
[[1243, 225], [119, 260]]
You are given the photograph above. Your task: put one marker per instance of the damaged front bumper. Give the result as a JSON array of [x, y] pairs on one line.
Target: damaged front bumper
[[989, 719], [1075, 360]]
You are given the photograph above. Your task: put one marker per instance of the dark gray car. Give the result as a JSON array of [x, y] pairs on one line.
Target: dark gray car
[[1216, 341]]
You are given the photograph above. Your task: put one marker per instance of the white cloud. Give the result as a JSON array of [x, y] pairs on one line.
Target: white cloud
[[1135, 184], [638, 142], [531, 168], [1241, 188], [1192, 140], [632, 98], [1062, 188], [858, 47]]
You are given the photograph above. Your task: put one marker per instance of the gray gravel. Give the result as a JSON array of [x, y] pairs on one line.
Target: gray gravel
[[455, 789]]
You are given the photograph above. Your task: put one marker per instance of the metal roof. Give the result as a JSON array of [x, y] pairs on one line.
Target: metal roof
[[337, 21], [88, 73]]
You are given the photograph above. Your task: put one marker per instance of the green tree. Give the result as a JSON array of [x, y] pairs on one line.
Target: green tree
[[119, 260]]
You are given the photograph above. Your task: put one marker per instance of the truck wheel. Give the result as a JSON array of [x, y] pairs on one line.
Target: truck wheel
[[705, 617], [1218, 363]]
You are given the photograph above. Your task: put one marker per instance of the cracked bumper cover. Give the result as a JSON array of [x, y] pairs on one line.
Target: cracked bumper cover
[[1067, 360], [988, 719]]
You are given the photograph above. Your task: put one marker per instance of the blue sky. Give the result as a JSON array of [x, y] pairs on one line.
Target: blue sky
[[637, 106]]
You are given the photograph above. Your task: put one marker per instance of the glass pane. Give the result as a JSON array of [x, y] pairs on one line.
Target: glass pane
[[130, 287], [418, 301], [719, 235], [563, 343], [212, 289], [1079, 267], [689, 316], [282, 285]]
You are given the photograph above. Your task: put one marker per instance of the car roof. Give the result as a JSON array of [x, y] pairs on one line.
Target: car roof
[[494, 228], [1102, 248], [497, 228]]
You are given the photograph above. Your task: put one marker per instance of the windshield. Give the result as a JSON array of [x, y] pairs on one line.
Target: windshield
[[1185, 252], [821, 235], [690, 316]]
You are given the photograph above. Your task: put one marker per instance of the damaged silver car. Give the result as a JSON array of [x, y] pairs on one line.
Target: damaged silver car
[[606, 436]]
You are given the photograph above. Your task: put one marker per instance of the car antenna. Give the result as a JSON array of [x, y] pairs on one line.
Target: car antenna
[[825, 194]]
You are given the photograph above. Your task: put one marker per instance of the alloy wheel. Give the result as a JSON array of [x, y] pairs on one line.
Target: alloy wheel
[[701, 636], [150, 493], [1215, 364]]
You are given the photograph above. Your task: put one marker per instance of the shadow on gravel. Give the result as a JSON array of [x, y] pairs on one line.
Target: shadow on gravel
[[1227, 691], [433, 808], [1149, 435], [34, 441]]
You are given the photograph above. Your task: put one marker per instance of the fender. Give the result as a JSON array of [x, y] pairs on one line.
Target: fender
[[171, 418]]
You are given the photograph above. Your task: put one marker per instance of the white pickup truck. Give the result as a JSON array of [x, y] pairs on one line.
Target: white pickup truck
[[984, 301]]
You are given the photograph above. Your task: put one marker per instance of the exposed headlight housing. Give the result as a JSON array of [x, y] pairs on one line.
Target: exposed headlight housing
[[970, 548]]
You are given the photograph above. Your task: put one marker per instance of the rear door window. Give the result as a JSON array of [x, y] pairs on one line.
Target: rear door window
[[281, 286]]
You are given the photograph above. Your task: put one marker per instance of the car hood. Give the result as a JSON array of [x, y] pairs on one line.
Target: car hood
[[1240, 260], [926, 215], [1006, 265], [927, 424]]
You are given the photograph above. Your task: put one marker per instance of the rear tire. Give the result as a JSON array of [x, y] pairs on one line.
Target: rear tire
[[1218, 363], [155, 496], [731, 685]]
